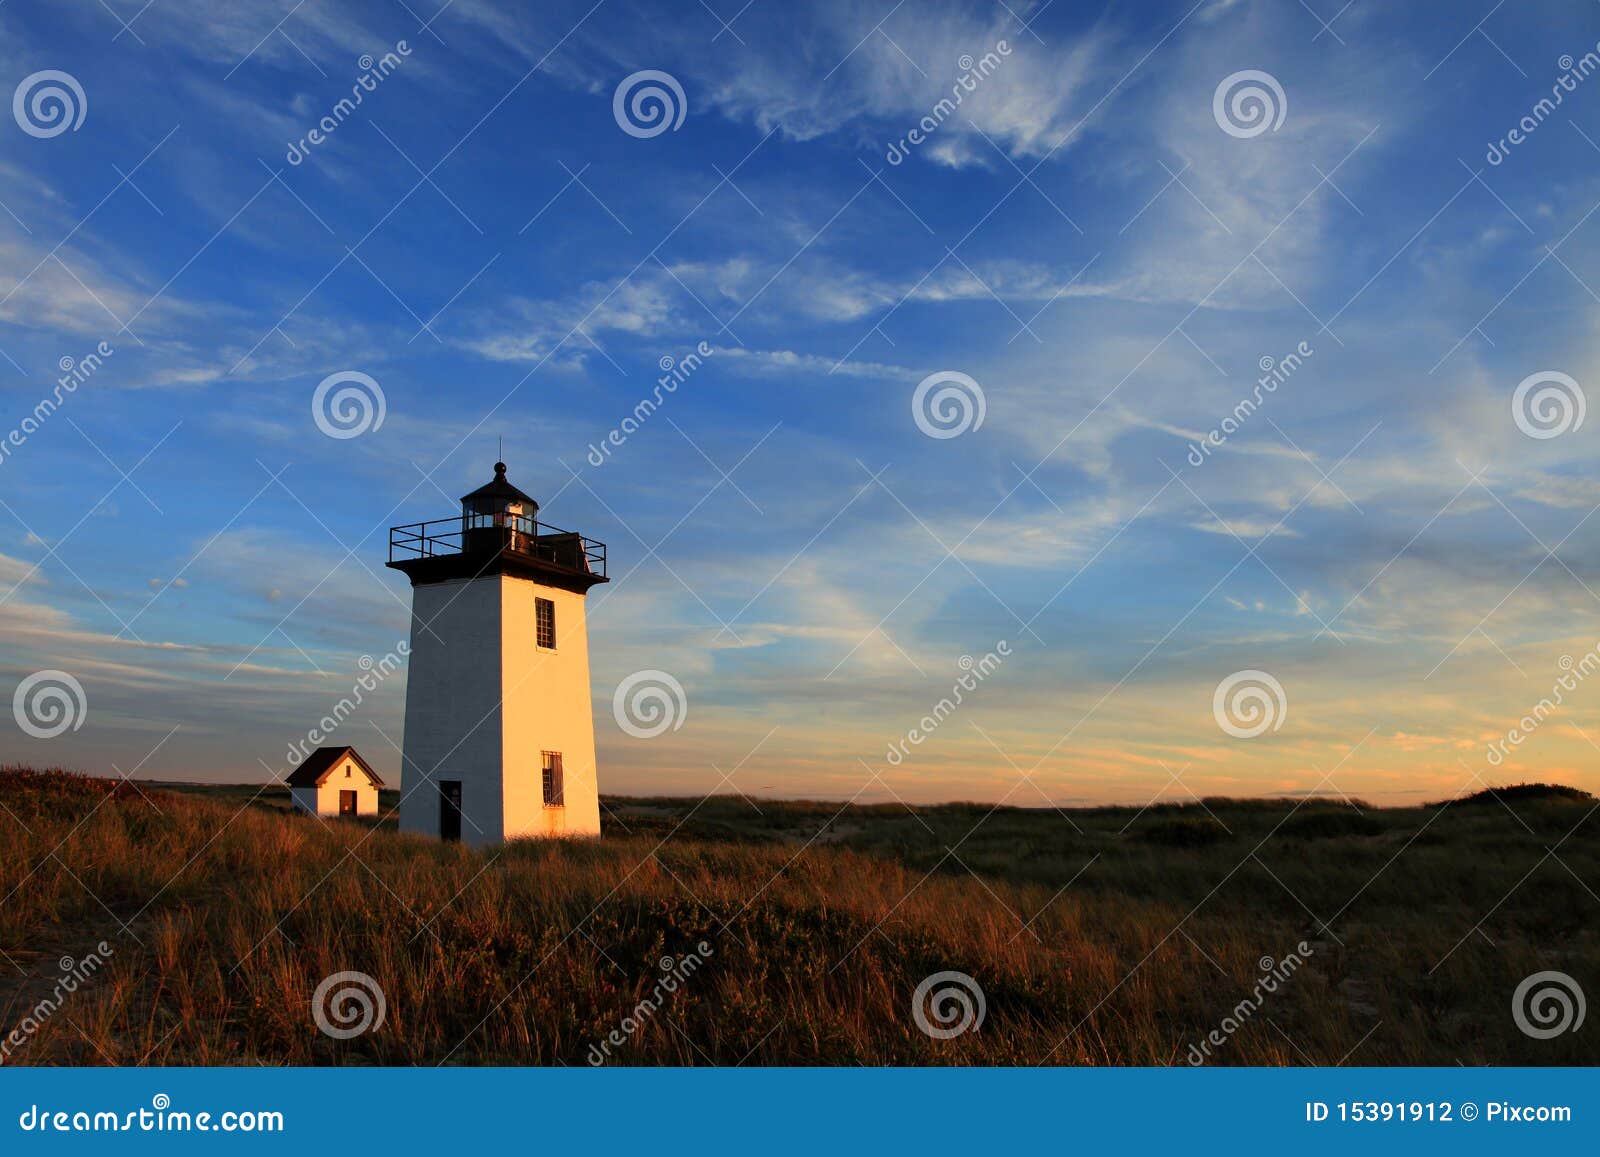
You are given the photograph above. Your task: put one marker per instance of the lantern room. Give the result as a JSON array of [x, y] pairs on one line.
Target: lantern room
[[498, 516]]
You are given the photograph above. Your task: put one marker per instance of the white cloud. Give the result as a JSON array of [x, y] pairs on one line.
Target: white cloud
[[788, 361]]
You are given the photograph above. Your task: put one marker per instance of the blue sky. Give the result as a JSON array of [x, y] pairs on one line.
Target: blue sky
[[1082, 238]]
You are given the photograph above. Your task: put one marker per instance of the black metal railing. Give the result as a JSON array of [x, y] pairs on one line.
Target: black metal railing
[[480, 533]]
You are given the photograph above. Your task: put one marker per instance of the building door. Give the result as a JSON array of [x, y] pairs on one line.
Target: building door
[[450, 809], [347, 803]]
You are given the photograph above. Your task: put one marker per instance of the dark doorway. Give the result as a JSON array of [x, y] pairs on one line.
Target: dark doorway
[[450, 809], [347, 803]]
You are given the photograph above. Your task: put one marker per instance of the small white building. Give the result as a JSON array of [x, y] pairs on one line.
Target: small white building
[[335, 781]]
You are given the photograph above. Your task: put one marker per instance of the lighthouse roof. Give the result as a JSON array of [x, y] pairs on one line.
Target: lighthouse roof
[[499, 491]]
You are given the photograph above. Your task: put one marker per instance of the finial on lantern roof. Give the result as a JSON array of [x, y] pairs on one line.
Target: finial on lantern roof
[[498, 493]]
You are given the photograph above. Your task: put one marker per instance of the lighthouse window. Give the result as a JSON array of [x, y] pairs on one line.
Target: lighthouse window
[[544, 613], [554, 780]]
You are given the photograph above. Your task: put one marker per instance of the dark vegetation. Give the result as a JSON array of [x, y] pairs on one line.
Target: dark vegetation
[[1098, 935]]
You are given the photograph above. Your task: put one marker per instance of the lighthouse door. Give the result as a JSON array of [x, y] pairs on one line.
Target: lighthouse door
[[450, 809]]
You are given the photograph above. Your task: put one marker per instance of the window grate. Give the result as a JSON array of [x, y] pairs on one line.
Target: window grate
[[544, 613], [554, 780]]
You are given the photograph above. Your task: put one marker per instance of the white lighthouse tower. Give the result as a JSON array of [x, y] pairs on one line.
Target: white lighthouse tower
[[498, 722]]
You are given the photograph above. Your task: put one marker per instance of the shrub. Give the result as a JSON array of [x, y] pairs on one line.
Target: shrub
[[1323, 824], [1520, 793], [1184, 832]]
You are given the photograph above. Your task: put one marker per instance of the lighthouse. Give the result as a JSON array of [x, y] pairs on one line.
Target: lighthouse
[[498, 724]]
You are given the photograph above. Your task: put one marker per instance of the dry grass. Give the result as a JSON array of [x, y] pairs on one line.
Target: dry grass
[[532, 954]]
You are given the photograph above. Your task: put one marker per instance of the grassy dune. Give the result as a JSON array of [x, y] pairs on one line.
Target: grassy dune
[[1099, 936]]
